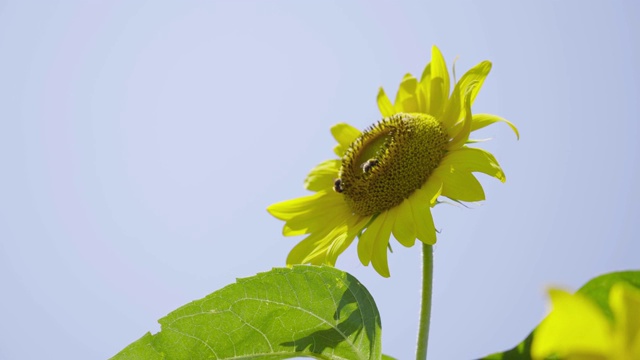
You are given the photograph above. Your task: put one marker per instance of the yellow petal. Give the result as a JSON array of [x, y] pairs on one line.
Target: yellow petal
[[575, 326], [325, 244], [424, 90], [314, 219], [305, 214], [474, 160], [406, 98], [353, 227], [458, 184], [323, 175], [625, 305], [425, 229], [368, 238], [315, 242], [319, 254], [404, 229], [426, 74], [439, 83], [481, 120], [474, 77], [431, 189], [423, 102], [384, 104], [287, 209], [379, 253], [462, 135], [344, 134]]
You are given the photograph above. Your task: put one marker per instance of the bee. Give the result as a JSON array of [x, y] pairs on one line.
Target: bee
[[369, 164], [337, 185]]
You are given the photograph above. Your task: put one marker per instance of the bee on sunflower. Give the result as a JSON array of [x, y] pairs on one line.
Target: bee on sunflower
[[389, 176]]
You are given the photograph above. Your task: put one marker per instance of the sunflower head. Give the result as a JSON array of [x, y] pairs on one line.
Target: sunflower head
[[389, 176], [391, 160]]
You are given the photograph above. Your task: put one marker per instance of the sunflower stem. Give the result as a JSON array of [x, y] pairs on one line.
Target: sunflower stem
[[425, 307]]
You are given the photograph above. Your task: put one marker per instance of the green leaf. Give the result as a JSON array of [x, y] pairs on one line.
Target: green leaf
[[521, 352], [141, 349], [597, 289], [305, 311]]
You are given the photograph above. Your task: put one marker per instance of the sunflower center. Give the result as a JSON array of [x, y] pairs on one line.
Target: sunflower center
[[389, 161]]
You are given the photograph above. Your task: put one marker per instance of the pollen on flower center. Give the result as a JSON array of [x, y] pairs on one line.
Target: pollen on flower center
[[389, 161]]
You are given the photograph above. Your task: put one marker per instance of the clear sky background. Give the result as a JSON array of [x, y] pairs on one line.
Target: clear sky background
[[141, 141]]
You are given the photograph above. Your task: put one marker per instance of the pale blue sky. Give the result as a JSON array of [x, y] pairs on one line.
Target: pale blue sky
[[141, 141]]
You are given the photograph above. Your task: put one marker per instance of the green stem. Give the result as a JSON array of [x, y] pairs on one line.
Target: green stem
[[425, 307]]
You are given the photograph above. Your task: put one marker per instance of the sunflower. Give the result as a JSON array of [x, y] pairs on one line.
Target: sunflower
[[390, 175]]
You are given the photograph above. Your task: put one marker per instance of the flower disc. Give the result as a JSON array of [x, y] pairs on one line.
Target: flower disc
[[389, 161]]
